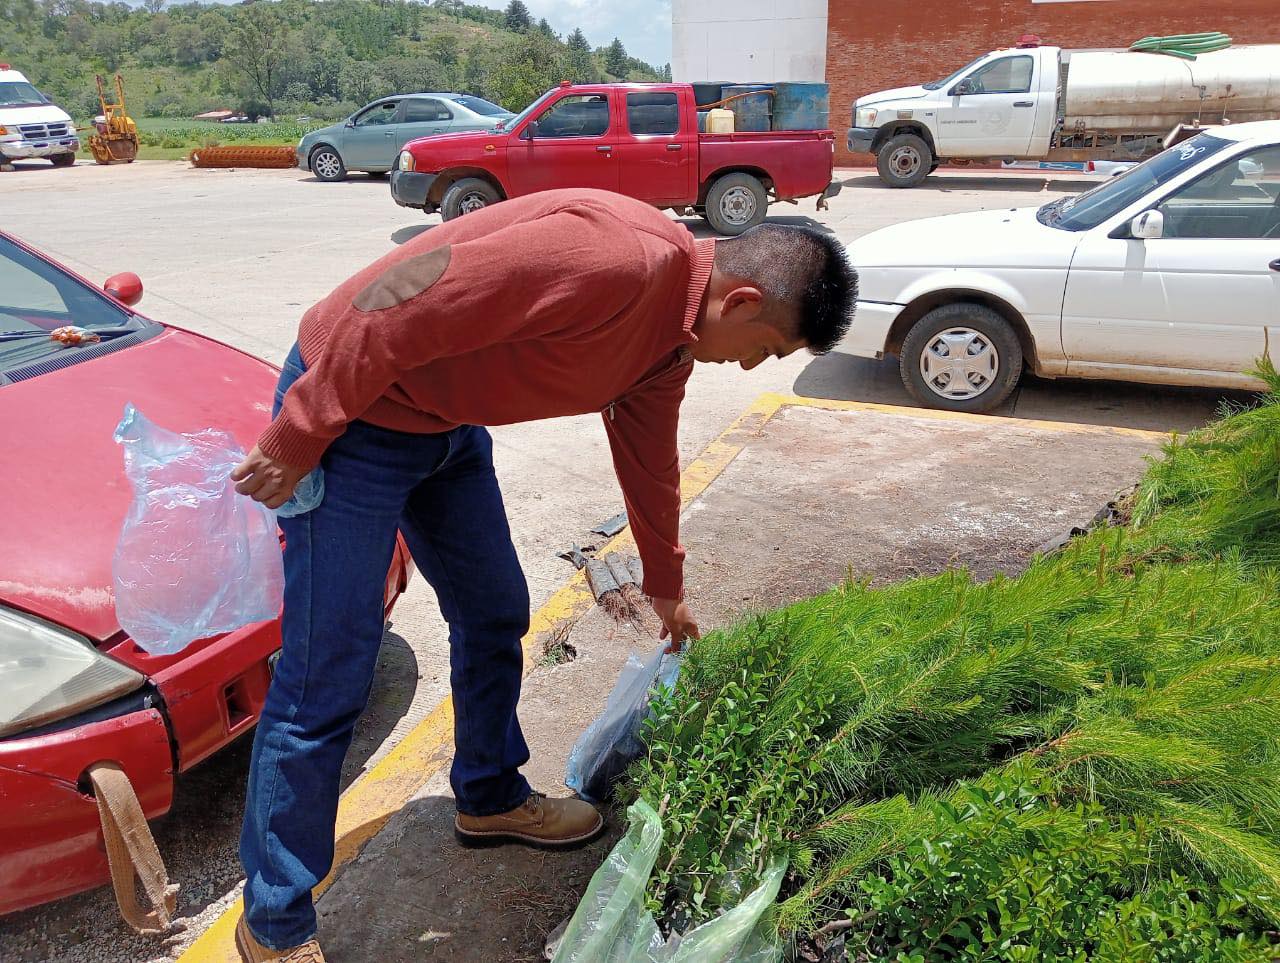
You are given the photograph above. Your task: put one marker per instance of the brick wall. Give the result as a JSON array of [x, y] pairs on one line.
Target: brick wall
[[873, 45]]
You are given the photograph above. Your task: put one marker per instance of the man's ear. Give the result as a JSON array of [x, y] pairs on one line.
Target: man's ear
[[742, 304]]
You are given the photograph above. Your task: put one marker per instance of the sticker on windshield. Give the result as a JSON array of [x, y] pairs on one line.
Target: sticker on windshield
[[1189, 151]]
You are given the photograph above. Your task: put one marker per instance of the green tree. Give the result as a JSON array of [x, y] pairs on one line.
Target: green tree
[[20, 13], [444, 48], [544, 28], [257, 46], [517, 17], [360, 82], [525, 70], [187, 44], [615, 58], [580, 65], [110, 46], [665, 73]]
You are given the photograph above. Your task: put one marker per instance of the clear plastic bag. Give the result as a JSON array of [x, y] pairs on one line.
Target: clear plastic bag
[[612, 741], [195, 558], [611, 924]]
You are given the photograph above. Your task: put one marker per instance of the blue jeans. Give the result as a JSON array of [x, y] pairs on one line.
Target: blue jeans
[[441, 492]]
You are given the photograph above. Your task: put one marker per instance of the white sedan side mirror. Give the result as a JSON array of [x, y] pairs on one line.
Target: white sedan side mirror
[[1147, 226]]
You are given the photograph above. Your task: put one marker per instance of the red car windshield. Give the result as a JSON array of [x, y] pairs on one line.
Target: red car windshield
[[36, 299]]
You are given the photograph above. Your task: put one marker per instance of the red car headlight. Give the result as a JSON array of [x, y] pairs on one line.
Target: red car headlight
[[48, 673]]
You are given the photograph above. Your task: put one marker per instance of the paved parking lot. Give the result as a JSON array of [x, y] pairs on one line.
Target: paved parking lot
[[239, 255]]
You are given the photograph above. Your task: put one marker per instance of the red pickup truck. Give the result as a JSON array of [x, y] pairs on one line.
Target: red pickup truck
[[636, 139]]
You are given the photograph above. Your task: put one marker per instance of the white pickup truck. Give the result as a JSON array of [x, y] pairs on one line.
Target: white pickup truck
[[31, 125], [1046, 103]]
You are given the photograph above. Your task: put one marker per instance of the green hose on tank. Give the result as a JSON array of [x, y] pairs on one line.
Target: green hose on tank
[[1185, 45]]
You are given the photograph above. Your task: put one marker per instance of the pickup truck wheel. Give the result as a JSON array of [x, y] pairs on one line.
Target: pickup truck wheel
[[326, 164], [904, 161], [736, 203], [62, 160], [961, 357], [465, 196]]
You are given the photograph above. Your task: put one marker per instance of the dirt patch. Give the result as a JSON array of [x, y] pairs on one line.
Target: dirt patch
[[819, 496]]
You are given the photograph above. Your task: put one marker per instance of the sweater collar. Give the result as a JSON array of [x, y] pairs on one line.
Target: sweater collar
[[701, 265]]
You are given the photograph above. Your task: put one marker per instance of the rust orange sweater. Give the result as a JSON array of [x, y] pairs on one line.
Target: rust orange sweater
[[559, 303]]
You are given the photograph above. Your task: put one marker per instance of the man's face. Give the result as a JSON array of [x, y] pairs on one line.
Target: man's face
[[737, 332], [748, 343]]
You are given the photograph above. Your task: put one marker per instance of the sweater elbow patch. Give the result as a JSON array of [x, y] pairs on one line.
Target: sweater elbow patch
[[404, 281]]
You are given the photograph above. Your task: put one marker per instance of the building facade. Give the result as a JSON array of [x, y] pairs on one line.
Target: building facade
[[748, 41], [868, 45]]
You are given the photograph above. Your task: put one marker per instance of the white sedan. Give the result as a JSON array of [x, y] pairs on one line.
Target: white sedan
[[1168, 274]]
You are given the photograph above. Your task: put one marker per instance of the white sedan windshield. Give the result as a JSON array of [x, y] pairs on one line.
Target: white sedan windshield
[[1088, 210]]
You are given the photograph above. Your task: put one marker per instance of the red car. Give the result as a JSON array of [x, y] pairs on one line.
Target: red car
[[75, 690], [641, 140]]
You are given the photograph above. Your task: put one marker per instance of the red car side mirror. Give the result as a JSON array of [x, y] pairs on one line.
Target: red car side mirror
[[125, 288]]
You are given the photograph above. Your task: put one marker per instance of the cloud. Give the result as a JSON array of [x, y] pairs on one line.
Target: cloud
[[644, 26]]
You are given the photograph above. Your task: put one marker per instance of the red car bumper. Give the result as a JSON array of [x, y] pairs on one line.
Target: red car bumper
[[195, 703]]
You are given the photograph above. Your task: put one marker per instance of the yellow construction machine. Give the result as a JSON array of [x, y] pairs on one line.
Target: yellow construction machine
[[115, 136]]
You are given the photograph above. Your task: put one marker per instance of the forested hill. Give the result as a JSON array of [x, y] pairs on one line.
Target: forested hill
[[288, 58]]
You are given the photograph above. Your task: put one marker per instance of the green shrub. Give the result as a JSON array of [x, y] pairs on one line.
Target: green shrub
[[1134, 674], [1005, 873]]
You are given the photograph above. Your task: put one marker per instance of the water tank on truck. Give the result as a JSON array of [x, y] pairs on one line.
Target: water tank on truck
[[1154, 92]]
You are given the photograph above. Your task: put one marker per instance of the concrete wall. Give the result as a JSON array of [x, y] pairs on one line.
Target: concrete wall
[[749, 40], [875, 45]]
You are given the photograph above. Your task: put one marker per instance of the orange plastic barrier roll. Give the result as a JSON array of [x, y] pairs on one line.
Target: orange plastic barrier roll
[[232, 156]]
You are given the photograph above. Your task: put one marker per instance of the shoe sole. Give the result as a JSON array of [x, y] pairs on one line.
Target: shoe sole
[[474, 840], [240, 947]]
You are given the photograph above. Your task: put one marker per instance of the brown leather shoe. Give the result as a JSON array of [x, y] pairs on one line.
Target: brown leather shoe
[[538, 821], [251, 951]]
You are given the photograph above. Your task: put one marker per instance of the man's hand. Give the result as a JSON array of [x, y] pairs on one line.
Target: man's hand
[[677, 623], [266, 480]]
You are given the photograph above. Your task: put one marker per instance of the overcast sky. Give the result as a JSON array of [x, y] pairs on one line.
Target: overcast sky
[[643, 25]]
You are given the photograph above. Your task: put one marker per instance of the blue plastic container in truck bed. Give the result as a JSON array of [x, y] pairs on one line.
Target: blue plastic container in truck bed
[[801, 106], [752, 112], [705, 94]]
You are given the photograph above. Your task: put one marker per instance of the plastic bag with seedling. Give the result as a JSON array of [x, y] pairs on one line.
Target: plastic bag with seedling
[[612, 742], [612, 923]]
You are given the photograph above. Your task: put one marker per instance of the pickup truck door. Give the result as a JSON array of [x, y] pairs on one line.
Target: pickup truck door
[[422, 117], [571, 143], [1200, 297], [657, 160], [371, 143], [991, 110]]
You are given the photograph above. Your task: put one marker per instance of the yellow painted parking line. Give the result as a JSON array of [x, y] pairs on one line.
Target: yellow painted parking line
[[383, 791], [796, 401]]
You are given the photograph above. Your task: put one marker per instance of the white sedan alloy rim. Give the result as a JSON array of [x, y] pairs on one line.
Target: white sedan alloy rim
[[959, 363]]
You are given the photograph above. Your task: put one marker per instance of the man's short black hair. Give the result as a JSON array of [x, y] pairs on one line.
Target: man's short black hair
[[804, 272]]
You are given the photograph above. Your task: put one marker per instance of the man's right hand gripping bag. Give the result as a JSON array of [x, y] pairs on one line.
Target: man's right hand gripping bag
[[195, 558]]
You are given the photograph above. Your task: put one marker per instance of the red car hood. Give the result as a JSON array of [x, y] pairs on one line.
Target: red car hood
[[436, 146], [64, 493]]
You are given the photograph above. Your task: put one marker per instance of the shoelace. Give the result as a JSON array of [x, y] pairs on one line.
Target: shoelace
[[307, 953], [534, 805]]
